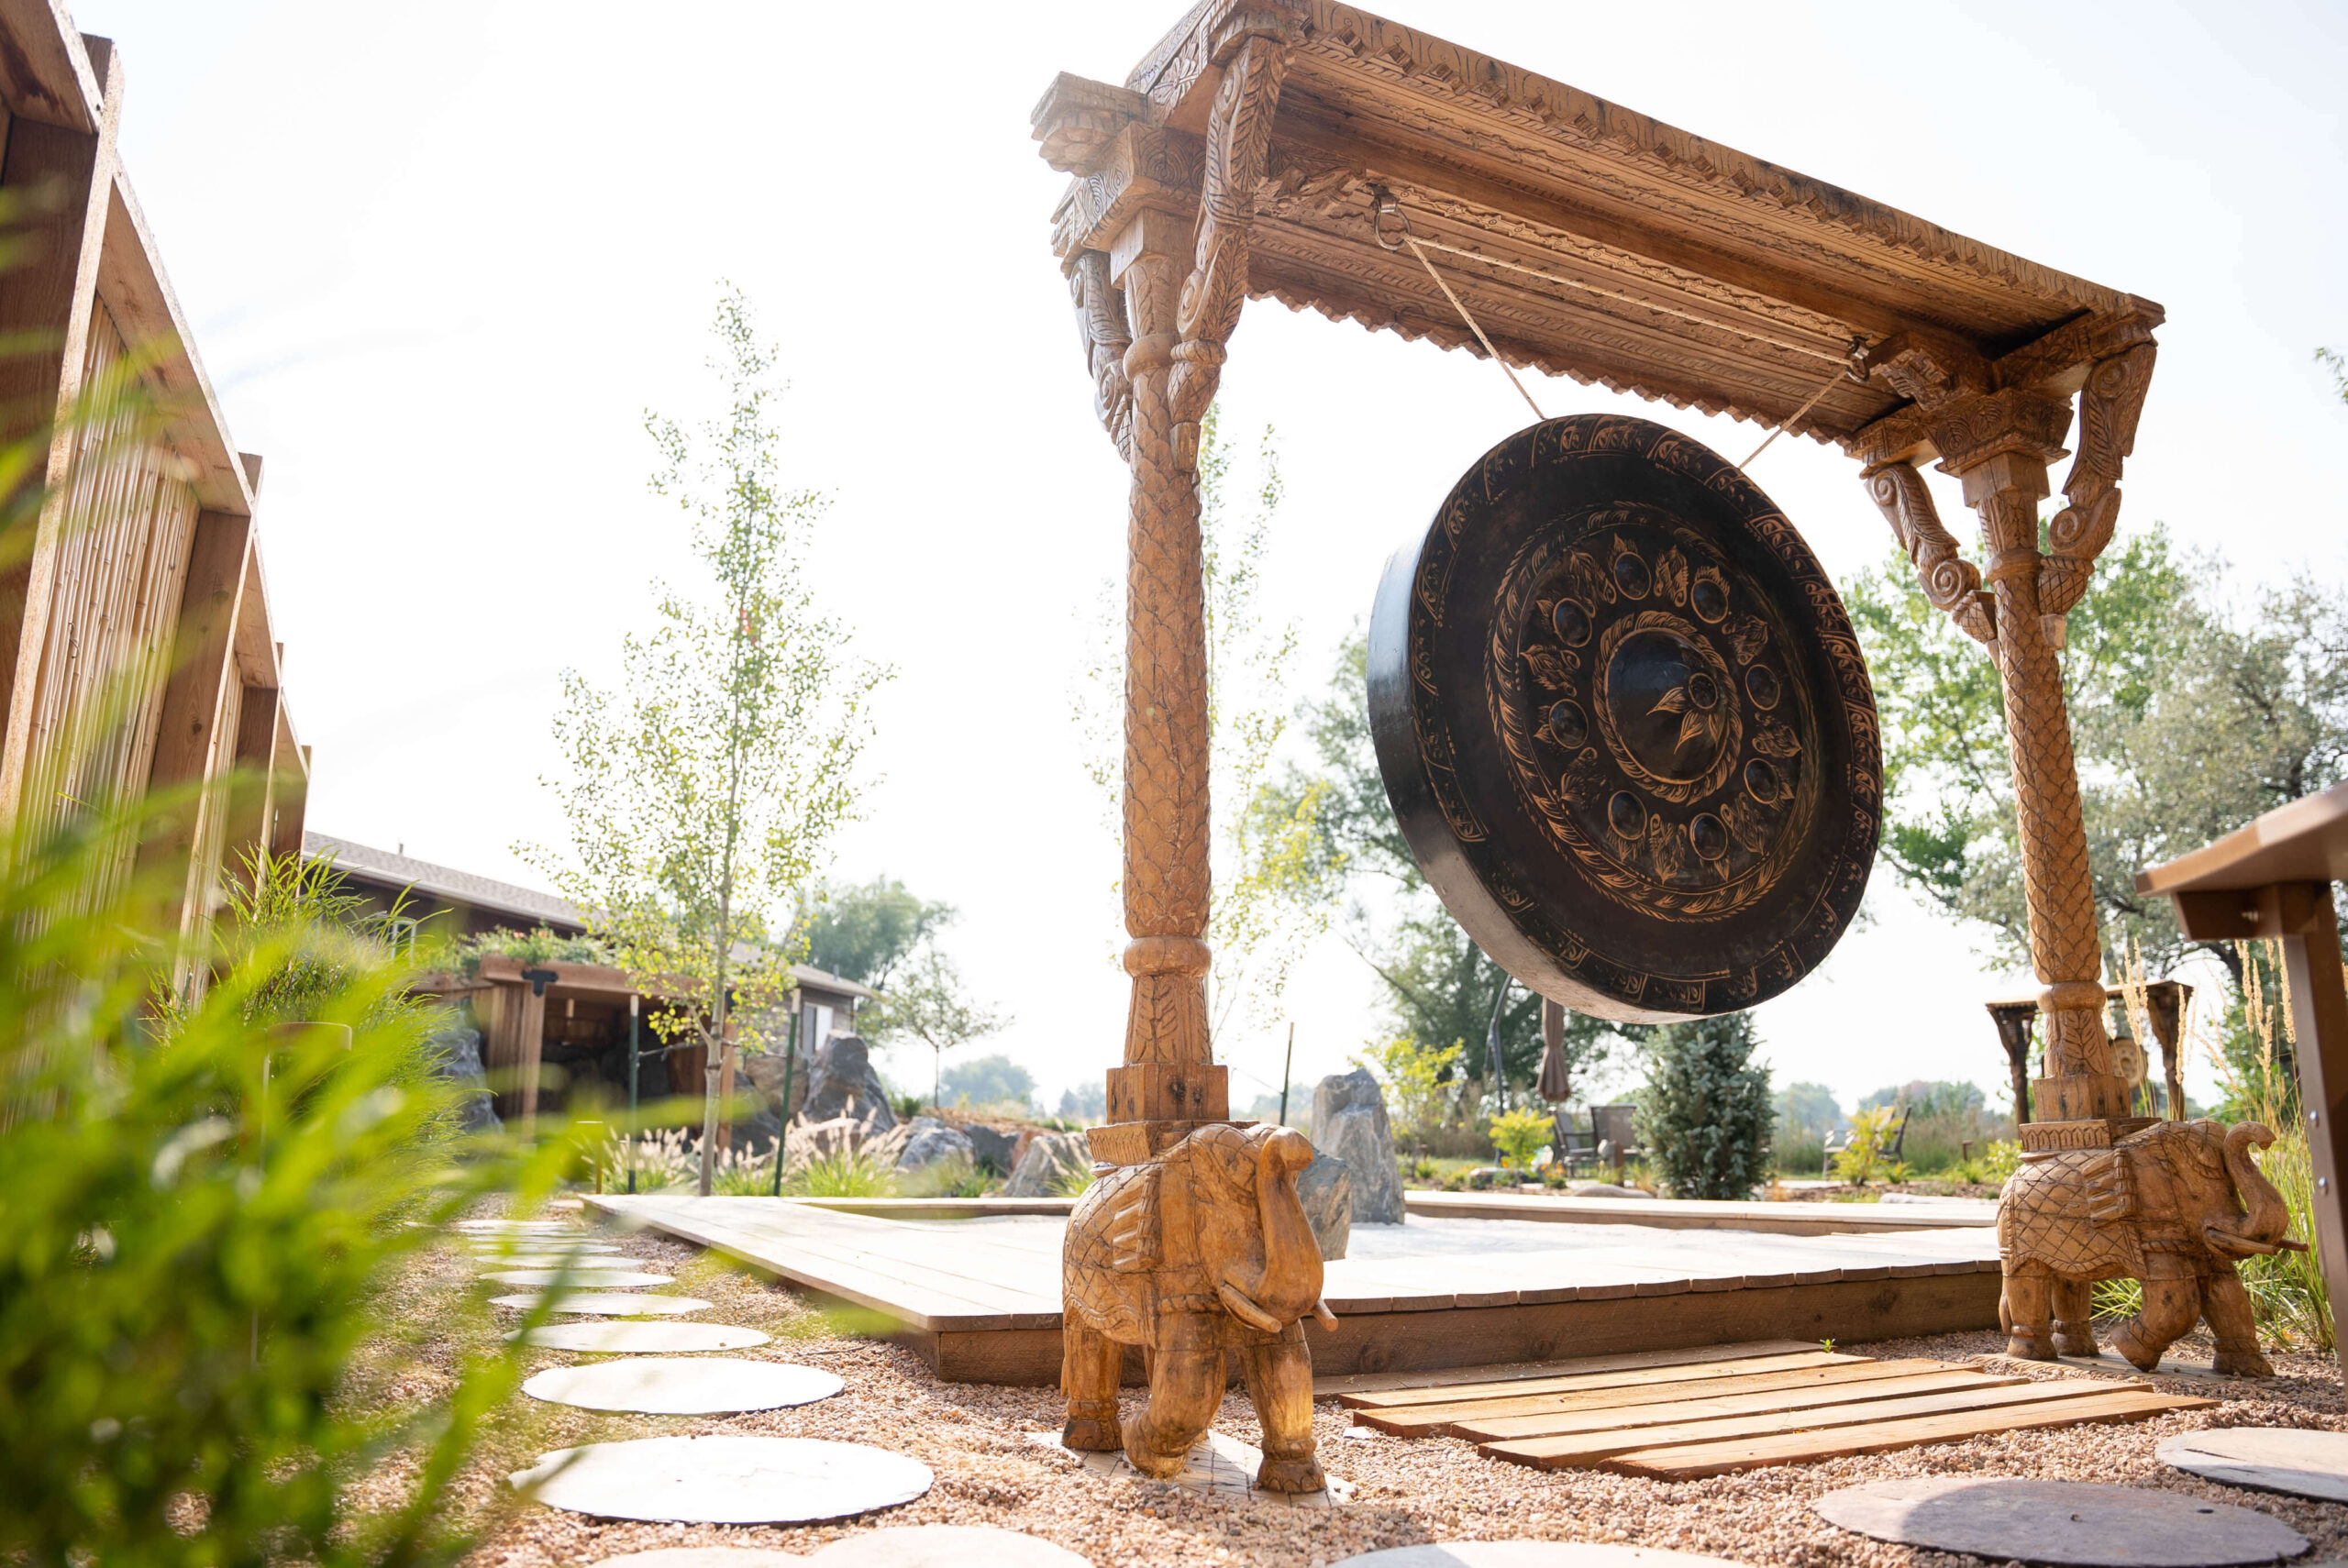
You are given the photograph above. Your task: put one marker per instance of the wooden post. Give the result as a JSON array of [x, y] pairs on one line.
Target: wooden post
[[1156, 356], [2302, 915], [1998, 442], [2164, 1000], [47, 297], [192, 730]]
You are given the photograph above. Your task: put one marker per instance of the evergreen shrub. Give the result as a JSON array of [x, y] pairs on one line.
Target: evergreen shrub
[[1705, 1115]]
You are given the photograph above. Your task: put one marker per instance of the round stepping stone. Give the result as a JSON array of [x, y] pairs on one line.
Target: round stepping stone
[[2274, 1459], [946, 1546], [598, 1305], [706, 1386], [724, 1480], [705, 1557], [2062, 1522], [552, 1260], [507, 1226], [1528, 1554], [641, 1339], [584, 1279]]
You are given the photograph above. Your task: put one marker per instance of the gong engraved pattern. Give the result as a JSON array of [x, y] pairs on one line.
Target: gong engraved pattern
[[1625, 724], [1633, 680]]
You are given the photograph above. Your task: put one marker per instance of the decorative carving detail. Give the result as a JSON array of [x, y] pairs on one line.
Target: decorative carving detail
[[1926, 372], [2174, 1206], [1146, 169], [2110, 405], [1968, 431], [1950, 583], [1217, 286], [1202, 1253], [1077, 119], [1100, 328]]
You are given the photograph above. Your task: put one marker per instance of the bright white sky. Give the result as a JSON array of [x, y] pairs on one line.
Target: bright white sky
[[440, 256]]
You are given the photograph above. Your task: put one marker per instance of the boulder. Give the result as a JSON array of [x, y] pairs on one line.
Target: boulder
[[922, 1142], [1050, 1163], [1349, 1125], [457, 1057], [1600, 1189], [997, 1148], [841, 1082], [1327, 1189]]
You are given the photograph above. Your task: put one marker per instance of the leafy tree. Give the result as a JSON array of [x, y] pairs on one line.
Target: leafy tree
[[861, 931], [1415, 1078], [990, 1081], [2188, 717], [701, 797], [1808, 1113], [926, 1003], [1087, 1102], [1439, 984], [1935, 1097], [1705, 1112]]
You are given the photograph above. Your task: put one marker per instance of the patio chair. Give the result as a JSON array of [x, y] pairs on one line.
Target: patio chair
[[1573, 1145], [1614, 1124]]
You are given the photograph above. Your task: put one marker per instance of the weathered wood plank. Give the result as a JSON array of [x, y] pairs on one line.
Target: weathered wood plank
[[1386, 1381], [1426, 1421], [1688, 1462], [1700, 1214], [1698, 1408], [1619, 1377]]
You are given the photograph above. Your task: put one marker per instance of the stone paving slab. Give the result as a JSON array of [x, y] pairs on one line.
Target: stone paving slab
[[724, 1480], [696, 1386], [2060, 1522]]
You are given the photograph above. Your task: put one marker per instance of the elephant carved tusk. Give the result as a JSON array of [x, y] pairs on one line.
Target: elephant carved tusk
[[2243, 1246], [1247, 1311], [1322, 1316]]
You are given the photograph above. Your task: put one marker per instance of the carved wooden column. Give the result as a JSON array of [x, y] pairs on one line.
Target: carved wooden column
[[1998, 442], [1156, 303]]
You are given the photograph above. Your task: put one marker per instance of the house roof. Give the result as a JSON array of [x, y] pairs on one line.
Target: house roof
[[381, 867], [368, 864]]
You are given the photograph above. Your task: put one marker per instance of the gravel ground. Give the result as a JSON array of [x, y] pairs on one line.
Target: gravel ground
[[1409, 1491]]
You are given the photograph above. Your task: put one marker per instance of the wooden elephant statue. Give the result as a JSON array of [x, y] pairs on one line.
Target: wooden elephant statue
[[1201, 1252], [2174, 1206]]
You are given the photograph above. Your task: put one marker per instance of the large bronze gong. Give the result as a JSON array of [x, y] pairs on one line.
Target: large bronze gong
[[1625, 726]]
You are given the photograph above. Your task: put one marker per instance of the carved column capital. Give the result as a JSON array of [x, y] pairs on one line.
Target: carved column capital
[[1971, 432]]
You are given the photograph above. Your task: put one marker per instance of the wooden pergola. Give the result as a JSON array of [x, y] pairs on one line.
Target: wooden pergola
[[1281, 148]]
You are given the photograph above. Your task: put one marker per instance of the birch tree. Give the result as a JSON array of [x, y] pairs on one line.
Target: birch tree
[[701, 794]]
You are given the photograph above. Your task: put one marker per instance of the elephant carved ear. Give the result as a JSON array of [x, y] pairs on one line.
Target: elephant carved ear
[[1131, 1224]]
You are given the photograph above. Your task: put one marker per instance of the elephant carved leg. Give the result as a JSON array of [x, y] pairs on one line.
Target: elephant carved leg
[[1186, 1379], [1278, 1374], [2171, 1307], [2025, 1310], [2235, 1326], [2074, 1313], [1090, 1366]]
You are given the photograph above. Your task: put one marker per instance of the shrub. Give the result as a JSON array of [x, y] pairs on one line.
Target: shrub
[[199, 1318], [1705, 1115], [1868, 1153], [1416, 1081], [1519, 1135]]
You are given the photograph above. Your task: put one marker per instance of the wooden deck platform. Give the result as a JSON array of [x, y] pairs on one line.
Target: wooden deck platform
[[979, 1298]]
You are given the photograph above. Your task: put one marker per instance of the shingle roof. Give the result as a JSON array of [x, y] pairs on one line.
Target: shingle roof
[[368, 864], [381, 866]]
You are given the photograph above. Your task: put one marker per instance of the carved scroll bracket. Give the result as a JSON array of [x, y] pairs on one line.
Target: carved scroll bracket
[[2110, 405], [1950, 583]]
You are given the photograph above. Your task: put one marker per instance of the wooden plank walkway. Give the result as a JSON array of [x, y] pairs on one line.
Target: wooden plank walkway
[[979, 1298], [1676, 1417]]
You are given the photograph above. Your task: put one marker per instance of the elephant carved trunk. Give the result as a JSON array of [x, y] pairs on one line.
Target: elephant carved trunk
[[2174, 1207], [1201, 1255]]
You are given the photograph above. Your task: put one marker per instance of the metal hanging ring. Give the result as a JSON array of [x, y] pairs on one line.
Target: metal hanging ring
[[1382, 202]]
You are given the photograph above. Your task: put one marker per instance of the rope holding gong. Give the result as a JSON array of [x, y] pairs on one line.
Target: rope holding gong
[[1383, 203]]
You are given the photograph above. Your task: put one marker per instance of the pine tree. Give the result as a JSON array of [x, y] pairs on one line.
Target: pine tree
[[1705, 1113]]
